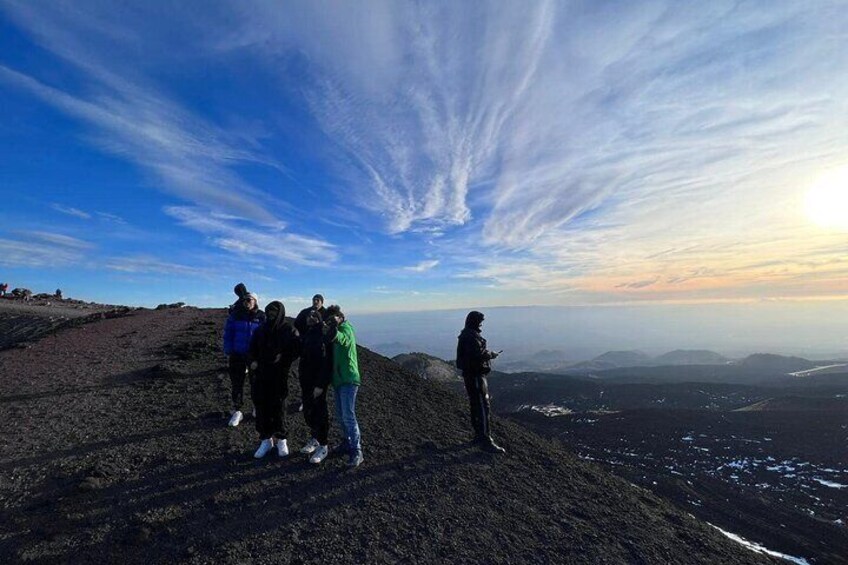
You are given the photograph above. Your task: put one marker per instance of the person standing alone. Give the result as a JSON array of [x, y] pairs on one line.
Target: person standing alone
[[244, 319], [473, 359], [346, 381]]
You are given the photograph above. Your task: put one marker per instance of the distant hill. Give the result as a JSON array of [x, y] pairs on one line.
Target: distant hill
[[428, 367], [690, 357], [392, 348], [623, 358], [776, 363]]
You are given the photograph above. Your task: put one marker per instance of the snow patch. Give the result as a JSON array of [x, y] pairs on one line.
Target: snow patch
[[760, 549], [830, 484]]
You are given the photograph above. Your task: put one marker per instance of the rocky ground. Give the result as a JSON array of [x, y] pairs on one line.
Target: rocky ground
[[21, 322], [115, 448]]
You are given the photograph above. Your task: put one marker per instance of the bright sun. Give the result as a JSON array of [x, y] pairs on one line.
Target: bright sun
[[827, 200]]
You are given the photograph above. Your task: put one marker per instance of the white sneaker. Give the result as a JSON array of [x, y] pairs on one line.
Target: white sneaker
[[319, 455], [310, 446], [264, 448], [236, 418], [282, 447]]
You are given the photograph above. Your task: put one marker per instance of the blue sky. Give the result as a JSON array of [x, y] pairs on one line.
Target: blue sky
[[408, 156]]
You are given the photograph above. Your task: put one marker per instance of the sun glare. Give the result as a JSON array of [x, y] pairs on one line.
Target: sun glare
[[827, 200]]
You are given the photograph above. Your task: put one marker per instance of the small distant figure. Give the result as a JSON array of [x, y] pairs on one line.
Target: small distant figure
[[4, 288], [58, 294], [300, 322], [273, 349], [346, 381], [240, 291], [315, 372], [244, 319], [473, 359]]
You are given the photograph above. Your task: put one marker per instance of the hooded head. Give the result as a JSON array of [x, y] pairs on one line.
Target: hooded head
[[247, 298], [335, 310], [474, 320], [275, 314], [240, 290], [317, 301]]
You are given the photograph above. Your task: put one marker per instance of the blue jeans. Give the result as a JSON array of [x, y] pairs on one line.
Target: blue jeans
[[346, 413]]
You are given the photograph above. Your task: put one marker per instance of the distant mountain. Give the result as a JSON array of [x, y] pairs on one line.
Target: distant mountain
[[544, 361], [776, 363], [690, 357], [392, 349], [624, 358], [428, 367]]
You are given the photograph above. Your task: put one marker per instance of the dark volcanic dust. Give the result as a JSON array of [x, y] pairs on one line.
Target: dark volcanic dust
[[115, 448]]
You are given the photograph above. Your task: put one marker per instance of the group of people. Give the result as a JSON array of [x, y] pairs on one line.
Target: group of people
[[263, 346]]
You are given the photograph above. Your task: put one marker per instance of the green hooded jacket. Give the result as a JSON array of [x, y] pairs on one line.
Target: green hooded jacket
[[345, 359]]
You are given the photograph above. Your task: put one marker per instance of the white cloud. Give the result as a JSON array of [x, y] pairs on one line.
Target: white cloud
[[57, 239], [423, 266], [17, 253], [70, 211], [245, 238]]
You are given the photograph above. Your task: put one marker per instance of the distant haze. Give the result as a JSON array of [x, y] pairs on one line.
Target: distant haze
[[816, 330]]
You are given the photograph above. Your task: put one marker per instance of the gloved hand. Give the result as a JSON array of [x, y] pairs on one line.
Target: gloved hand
[[493, 354], [316, 392]]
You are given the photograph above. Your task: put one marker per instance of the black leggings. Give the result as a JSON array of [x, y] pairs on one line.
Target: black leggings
[[478, 399], [237, 366], [314, 409], [269, 396]]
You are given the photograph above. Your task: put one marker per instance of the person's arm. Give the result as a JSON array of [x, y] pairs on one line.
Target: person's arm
[[228, 336], [345, 337]]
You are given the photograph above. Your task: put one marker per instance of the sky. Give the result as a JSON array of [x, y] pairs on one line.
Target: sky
[[416, 156]]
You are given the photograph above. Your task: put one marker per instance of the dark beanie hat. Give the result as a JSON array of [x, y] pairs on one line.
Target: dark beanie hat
[[335, 310], [319, 297], [240, 290]]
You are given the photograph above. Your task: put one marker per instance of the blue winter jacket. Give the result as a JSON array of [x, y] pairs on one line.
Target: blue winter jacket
[[239, 330]]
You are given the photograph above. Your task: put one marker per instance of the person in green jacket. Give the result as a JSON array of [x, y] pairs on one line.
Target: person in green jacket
[[345, 381]]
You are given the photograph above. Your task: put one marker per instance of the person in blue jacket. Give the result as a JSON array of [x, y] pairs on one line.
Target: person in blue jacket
[[244, 319]]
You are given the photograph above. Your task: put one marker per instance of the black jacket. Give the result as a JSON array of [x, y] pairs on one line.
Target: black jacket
[[268, 342], [300, 321], [316, 360], [472, 357]]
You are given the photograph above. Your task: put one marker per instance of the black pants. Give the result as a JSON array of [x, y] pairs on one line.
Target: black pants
[[478, 399], [237, 365], [314, 409], [269, 396]]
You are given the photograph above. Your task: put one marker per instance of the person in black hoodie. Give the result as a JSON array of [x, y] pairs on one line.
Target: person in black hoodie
[[273, 349], [473, 359], [315, 370], [317, 306]]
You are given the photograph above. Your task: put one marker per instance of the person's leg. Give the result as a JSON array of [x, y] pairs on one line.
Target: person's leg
[[348, 417], [483, 387], [321, 418], [260, 392], [306, 395], [281, 393], [344, 446], [473, 403], [237, 368]]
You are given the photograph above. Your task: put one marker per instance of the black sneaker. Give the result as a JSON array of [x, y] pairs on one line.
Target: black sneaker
[[355, 460]]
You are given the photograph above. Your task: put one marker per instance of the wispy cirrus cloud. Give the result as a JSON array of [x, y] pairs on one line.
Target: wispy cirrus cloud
[[42, 250], [423, 266], [71, 211], [246, 239]]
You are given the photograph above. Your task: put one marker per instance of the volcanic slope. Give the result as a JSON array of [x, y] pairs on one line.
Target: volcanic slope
[[116, 448]]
